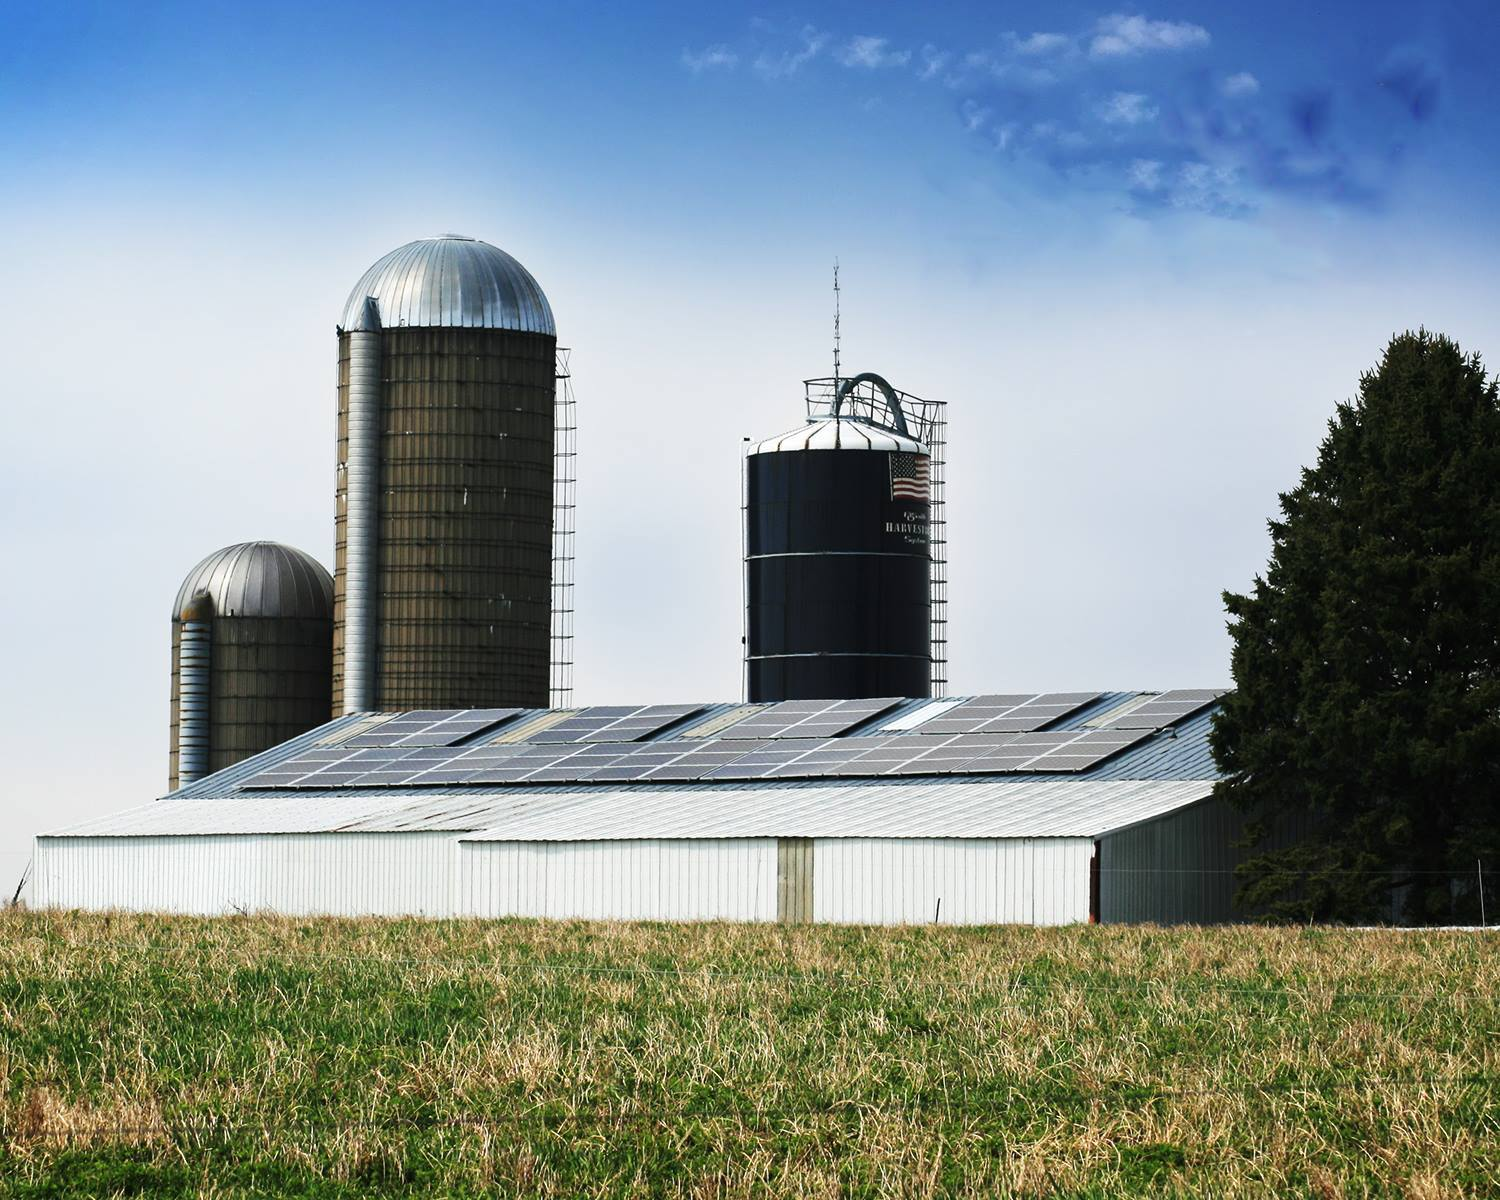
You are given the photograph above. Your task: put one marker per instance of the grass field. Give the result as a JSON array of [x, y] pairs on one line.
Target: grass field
[[262, 1056]]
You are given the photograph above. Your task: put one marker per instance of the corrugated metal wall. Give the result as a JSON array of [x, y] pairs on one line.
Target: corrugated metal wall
[[334, 874], [1041, 881], [892, 881], [1178, 869], [729, 879]]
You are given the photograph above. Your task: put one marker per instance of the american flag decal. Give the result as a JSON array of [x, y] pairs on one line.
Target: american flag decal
[[910, 479]]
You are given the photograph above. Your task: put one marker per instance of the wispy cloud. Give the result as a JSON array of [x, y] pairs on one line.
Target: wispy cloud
[[1127, 108], [933, 62], [871, 52], [1069, 105], [1241, 83], [1118, 35], [1145, 174], [717, 57], [778, 65], [1039, 44]]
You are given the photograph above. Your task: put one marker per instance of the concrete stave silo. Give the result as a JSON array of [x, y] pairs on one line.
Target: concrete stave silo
[[252, 635], [444, 517], [838, 566]]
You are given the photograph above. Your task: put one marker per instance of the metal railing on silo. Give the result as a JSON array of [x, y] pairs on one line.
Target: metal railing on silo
[[927, 422]]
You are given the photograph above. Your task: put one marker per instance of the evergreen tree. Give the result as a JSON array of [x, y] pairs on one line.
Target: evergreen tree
[[1367, 659]]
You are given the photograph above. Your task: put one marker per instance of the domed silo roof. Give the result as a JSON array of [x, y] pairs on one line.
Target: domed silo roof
[[260, 579], [450, 281]]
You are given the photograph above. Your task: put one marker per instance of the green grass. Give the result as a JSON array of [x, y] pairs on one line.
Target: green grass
[[146, 1056]]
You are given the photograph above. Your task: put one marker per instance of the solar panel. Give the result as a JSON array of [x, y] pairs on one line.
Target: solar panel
[[1007, 714], [638, 761], [809, 718], [615, 723], [1165, 709], [433, 727], [580, 764], [644, 722], [702, 758], [1065, 751], [770, 760], [1060, 751]]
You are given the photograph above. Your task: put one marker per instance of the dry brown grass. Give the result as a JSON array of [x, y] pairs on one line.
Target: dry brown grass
[[264, 1055]]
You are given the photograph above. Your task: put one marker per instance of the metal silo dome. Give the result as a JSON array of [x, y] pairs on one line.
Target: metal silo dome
[[252, 656], [449, 281], [260, 579]]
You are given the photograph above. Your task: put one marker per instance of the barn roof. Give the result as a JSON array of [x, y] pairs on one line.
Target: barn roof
[[1098, 762]]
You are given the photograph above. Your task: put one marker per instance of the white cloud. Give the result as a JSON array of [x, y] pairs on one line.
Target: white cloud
[[1039, 43], [1202, 187], [1006, 70], [933, 61], [1145, 174], [975, 115], [871, 52], [1241, 84], [1127, 108], [710, 58], [789, 62], [1118, 35]]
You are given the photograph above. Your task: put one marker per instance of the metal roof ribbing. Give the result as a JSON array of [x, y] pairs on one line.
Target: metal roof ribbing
[[838, 433], [450, 281], [260, 579], [988, 808]]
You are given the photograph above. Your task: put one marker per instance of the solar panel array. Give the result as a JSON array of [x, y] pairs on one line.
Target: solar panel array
[[1163, 710], [429, 727], [809, 718], [615, 723], [1065, 751], [1020, 713]]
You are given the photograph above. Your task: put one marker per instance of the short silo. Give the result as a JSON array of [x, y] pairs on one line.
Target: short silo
[[443, 559], [838, 564], [252, 650]]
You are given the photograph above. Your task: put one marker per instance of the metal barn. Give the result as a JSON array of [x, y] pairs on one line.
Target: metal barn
[[841, 828]]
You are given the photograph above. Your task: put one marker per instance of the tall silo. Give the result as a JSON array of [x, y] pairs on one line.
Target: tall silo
[[252, 647], [443, 559], [838, 558]]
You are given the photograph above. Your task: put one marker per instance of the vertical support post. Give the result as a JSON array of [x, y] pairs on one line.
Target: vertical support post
[[194, 666], [362, 512]]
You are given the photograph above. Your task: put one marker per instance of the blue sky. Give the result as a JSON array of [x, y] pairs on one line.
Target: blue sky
[[1142, 252]]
